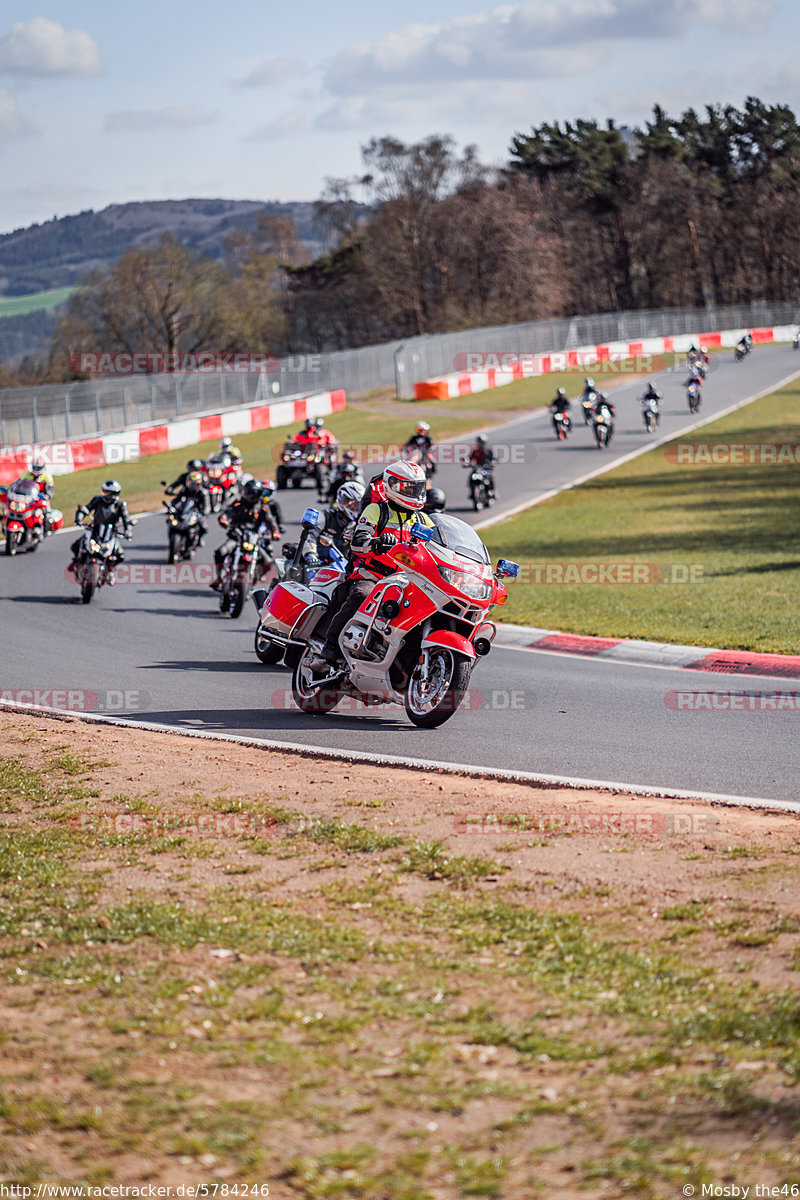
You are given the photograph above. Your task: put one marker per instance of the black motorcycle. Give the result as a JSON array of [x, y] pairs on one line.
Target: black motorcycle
[[97, 557], [301, 462], [248, 562], [603, 422], [184, 529], [480, 487], [562, 425]]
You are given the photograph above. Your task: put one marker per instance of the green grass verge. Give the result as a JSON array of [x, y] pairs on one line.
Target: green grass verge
[[17, 306], [735, 528]]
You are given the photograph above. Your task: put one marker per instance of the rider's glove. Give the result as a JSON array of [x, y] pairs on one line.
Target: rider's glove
[[384, 543]]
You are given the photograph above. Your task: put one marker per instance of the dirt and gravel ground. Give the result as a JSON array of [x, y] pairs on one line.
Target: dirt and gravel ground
[[228, 965]]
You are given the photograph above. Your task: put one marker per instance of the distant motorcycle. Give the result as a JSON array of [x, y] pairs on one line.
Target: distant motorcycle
[[184, 525], [693, 396], [480, 487], [796, 341], [248, 562], [603, 425], [97, 556], [587, 404], [741, 351], [222, 478], [422, 458], [651, 413], [24, 511], [562, 425]]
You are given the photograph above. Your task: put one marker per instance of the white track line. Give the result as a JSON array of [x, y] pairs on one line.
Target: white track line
[[618, 462], [395, 760]]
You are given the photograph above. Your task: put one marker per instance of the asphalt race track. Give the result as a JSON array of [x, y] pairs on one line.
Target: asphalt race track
[[160, 651]]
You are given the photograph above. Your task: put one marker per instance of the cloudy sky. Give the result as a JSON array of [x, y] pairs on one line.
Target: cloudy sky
[[104, 103]]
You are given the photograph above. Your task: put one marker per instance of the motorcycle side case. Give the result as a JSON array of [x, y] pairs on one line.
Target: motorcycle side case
[[56, 519], [285, 604]]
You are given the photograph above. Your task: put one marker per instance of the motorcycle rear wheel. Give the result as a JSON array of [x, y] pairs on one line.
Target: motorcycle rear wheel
[[317, 701], [429, 706]]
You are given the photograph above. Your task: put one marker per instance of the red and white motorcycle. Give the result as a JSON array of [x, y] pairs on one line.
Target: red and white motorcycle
[[23, 519], [417, 636]]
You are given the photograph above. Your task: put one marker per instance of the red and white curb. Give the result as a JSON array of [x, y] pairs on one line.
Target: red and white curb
[[457, 770], [138, 441], [659, 654], [584, 358]]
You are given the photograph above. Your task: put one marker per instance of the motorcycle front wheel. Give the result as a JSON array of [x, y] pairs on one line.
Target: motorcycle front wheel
[[11, 544], [267, 652], [88, 578], [433, 697], [317, 701], [174, 542]]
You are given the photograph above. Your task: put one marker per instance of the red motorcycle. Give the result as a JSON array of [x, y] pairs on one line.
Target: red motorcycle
[[24, 515], [222, 478], [417, 636]]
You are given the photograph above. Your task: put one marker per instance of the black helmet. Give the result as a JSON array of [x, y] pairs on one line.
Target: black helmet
[[110, 488], [252, 490], [194, 464], [310, 423], [435, 500]]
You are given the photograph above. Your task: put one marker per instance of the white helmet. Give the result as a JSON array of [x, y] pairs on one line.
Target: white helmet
[[423, 427], [348, 499], [405, 484], [225, 443]]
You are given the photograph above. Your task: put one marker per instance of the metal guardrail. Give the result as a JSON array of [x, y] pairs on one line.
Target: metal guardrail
[[56, 412]]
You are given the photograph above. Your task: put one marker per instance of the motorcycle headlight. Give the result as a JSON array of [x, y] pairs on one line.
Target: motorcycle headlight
[[248, 546], [95, 547], [18, 506], [469, 585]]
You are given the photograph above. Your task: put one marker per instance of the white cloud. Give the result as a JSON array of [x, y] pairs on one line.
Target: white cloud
[[177, 116], [524, 41], [44, 47], [288, 125], [12, 122], [272, 72]]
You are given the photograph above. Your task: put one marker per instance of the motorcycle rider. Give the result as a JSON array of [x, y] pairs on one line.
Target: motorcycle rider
[[252, 512], [174, 488], [559, 404], [651, 397], [190, 485], [347, 471], [338, 523], [422, 441], [745, 343], [379, 527], [226, 446], [481, 455], [40, 475], [106, 509]]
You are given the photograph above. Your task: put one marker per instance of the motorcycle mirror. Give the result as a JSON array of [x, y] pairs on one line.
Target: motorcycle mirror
[[163, 482], [507, 569], [310, 517], [423, 532]]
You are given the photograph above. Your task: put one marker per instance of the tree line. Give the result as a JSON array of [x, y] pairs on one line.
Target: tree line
[[693, 211]]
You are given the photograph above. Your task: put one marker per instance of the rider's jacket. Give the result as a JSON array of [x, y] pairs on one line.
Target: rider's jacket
[[106, 512], [481, 456], [419, 441], [374, 520], [651, 394], [44, 481], [241, 515], [560, 404]]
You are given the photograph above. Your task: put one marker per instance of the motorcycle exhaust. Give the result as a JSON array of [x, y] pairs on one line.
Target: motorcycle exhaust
[[259, 595]]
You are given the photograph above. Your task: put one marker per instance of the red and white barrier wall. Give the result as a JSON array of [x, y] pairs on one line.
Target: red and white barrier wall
[[112, 449], [506, 368]]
